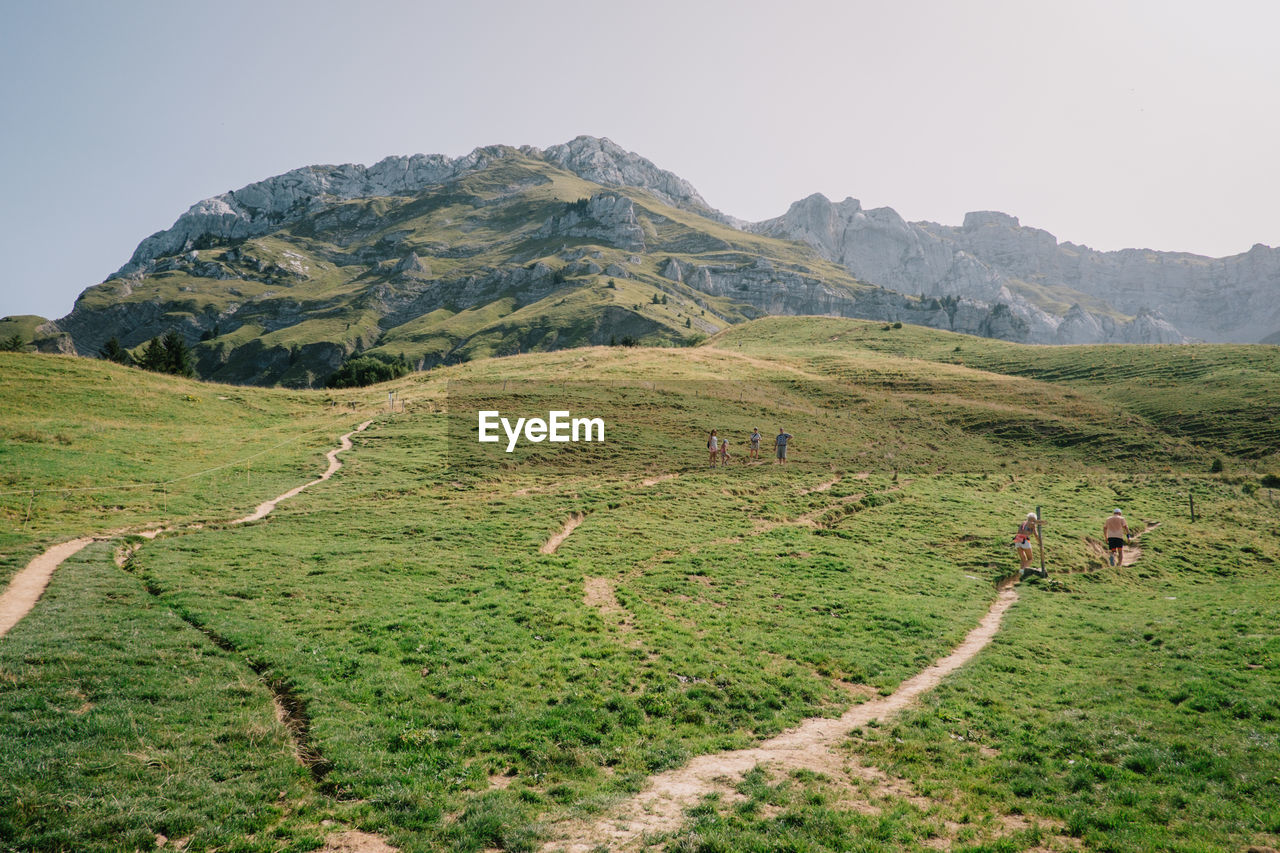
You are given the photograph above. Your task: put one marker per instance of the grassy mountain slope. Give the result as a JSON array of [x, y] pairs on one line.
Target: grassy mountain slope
[[466, 692], [24, 325], [1220, 397]]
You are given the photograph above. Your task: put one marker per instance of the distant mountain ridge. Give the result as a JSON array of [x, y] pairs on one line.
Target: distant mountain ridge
[[511, 249], [1067, 294]]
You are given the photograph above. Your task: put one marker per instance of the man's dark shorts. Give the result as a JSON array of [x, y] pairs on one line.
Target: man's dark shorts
[[1114, 542]]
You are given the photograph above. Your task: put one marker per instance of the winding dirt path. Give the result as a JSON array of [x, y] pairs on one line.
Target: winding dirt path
[[810, 746], [28, 585], [1131, 553], [550, 546], [267, 506]]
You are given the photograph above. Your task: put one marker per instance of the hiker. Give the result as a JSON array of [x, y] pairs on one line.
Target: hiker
[[1112, 530], [781, 444], [713, 445], [755, 443], [1022, 541], [724, 452]]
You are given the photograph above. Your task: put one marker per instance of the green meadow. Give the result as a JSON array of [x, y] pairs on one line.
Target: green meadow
[[450, 686]]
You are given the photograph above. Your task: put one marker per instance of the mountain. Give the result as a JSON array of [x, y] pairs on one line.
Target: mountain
[[510, 250], [1062, 292], [444, 260]]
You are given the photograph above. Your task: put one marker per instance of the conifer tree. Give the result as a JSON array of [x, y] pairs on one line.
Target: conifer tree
[[178, 359], [153, 356], [112, 351]]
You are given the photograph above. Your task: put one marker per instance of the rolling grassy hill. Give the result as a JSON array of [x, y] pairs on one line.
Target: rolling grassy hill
[[454, 688]]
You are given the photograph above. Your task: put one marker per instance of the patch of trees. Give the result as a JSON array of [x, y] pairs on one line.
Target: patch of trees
[[14, 343], [167, 353], [368, 369]]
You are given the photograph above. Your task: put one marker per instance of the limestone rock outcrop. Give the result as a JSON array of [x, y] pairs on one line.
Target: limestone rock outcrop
[[992, 258], [606, 217]]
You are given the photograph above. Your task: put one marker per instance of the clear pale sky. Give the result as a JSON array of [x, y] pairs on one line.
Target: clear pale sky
[[1111, 123]]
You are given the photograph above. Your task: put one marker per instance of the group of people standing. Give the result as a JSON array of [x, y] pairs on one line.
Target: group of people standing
[[718, 447], [1115, 530]]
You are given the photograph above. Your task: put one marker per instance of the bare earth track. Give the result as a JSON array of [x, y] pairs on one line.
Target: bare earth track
[[550, 546]]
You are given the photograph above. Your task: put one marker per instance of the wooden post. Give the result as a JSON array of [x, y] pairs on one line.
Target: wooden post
[[1040, 539], [29, 503], [1192, 498]]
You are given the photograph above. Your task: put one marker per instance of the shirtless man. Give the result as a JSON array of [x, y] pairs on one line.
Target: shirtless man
[[1116, 531]]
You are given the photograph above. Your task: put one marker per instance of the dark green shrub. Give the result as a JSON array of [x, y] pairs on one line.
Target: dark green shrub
[[362, 370]]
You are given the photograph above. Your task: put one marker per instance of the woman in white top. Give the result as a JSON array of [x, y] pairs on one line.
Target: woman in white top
[[1022, 541]]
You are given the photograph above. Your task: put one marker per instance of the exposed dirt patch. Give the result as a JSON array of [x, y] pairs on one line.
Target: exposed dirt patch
[[821, 487], [550, 546], [598, 593], [355, 841], [859, 691], [653, 481]]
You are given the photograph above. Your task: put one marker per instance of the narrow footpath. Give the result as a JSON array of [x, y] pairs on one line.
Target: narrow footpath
[[811, 746], [28, 585]]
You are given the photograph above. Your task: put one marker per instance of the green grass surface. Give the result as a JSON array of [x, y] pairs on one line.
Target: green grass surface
[[463, 693]]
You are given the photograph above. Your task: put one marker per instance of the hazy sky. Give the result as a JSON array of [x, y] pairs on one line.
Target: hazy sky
[[1113, 124]]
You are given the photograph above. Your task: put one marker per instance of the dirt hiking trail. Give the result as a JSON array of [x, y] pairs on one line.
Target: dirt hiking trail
[[29, 584], [810, 746], [550, 546], [1131, 553]]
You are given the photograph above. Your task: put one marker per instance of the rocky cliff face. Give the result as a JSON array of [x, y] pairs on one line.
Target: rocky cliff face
[[993, 260], [1232, 299]]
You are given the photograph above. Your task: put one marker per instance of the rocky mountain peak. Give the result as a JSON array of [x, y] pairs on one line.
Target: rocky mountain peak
[[260, 207], [605, 162], [976, 219]]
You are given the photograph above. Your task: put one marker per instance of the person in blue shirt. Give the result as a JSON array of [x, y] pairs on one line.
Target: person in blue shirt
[[780, 444]]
